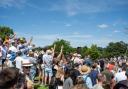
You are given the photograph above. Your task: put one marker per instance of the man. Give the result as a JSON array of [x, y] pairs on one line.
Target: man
[[99, 85], [119, 76], [85, 70], [47, 60], [122, 84], [18, 61], [75, 73]]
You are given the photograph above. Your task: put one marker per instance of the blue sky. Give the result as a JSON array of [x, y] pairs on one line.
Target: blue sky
[[82, 22]]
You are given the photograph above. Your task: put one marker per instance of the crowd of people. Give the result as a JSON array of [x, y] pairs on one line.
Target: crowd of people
[[20, 64]]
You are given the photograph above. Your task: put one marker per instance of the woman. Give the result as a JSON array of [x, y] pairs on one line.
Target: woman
[[79, 84], [68, 83]]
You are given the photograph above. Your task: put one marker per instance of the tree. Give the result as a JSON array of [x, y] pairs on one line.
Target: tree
[[67, 47], [5, 31], [116, 49], [93, 52]]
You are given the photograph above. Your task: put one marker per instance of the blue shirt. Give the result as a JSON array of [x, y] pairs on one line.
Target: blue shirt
[[87, 81]]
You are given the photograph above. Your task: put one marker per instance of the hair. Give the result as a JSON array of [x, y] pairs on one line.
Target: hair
[[79, 84], [100, 78], [8, 77]]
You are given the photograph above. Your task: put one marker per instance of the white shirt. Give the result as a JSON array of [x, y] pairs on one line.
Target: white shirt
[[120, 76], [13, 48], [18, 61]]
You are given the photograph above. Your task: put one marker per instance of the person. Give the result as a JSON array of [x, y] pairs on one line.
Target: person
[[122, 84], [99, 85], [79, 83], [68, 83], [119, 76], [18, 61], [8, 78], [48, 59], [94, 74], [108, 75], [33, 68], [85, 70], [26, 65], [75, 73]]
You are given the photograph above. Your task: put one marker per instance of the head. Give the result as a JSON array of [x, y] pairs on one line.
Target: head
[[26, 64], [9, 78], [49, 52], [85, 69], [79, 84], [100, 78]]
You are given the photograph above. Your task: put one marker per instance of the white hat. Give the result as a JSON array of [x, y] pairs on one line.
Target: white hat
[[26, 62], [78, 55], [48, 51]]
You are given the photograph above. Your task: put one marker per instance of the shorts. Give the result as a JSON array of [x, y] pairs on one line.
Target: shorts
[[48, 72]]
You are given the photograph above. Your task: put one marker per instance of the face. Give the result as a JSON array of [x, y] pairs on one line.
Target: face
[[26, 69]]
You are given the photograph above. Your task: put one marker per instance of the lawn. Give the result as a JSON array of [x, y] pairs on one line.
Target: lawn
[[38, 86]]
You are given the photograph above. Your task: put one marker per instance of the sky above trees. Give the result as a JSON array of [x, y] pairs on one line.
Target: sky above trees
[[82, 22]]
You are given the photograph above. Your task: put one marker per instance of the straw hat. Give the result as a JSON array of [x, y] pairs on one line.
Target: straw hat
[[26, 63], [85, 69]]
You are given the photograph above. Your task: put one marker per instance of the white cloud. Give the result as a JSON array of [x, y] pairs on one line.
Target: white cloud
[[76, 33], [68, 25], [103, 26], [116, 31]]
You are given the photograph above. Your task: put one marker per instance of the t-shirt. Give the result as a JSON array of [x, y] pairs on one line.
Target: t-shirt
[[13, 49], [120, 76], [47, 59], [97, 86], [18, 61], [68, 83]]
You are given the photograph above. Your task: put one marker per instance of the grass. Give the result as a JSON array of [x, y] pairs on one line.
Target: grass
[[38, 86]]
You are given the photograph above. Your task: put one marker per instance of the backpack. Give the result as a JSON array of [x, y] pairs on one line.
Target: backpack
[[93, 75]]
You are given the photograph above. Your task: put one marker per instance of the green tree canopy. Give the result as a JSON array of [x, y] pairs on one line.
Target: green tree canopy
[[5, 31]]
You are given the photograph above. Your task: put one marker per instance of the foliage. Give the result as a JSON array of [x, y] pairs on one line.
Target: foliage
[[93, 52], [116, 49], [5, 31], [67, 47]]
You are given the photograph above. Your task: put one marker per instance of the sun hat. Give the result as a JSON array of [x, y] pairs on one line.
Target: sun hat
[[85, 69], [26, 63], [48, 51]]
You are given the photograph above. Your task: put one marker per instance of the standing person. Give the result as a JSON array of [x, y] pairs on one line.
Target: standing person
[[79, 83], [26, 65], [94, 74], [68, 83], [4, 50], [33, 67], [119, 76], [48, 59], [99, 85], [102, 65], [18, 61], [85, 70], [122, 84], [75, 73]]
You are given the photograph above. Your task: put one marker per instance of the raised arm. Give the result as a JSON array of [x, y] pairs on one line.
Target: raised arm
[[53, 50], [61, 52], [30, 41]]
